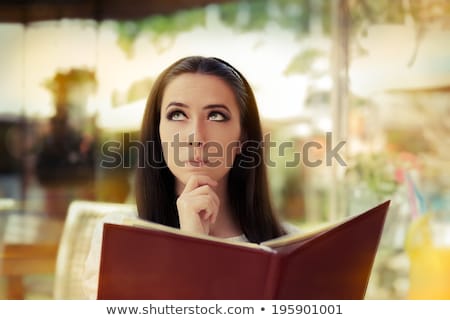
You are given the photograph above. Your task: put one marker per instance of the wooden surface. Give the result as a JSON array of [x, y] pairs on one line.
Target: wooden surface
[[19, 260], [29, 245]]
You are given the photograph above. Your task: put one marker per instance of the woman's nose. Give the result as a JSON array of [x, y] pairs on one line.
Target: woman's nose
[[195, 143], [197, 137]]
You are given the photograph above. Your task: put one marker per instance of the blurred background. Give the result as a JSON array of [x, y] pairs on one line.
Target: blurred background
[[376, 74]]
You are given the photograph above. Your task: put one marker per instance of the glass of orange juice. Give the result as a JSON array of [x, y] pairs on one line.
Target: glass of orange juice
[[428, 248]]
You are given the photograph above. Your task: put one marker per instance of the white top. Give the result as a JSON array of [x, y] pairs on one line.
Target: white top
[[92, 264]]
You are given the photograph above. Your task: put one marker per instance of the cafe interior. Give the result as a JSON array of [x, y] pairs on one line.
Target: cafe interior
[[370, 76]]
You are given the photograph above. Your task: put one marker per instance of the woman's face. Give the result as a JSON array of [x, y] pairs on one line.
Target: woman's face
[[199, 127]]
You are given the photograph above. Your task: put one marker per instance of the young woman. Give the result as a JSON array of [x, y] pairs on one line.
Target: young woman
[[203, 170], [202, 167]]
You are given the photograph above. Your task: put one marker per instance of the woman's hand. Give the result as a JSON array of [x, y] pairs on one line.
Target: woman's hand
[[198, 205]]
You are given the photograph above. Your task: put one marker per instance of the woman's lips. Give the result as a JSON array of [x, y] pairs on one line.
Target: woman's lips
[[196, 163]]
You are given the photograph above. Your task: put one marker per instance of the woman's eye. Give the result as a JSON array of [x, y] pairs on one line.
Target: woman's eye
[[176, 116], [217, 116]]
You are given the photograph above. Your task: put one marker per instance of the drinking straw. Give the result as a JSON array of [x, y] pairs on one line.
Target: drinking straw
[[414, 196]]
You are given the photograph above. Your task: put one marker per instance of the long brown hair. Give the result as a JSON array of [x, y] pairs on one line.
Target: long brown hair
[[247, 180]]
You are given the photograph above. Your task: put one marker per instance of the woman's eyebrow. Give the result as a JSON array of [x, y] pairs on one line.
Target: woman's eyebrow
[[177, 104], [207, 107], [217, 106]]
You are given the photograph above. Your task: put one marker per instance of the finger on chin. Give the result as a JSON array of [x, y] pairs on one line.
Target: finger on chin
[[196, 181]]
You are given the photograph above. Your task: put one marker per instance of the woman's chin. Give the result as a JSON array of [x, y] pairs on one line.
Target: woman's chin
[[184, 174]]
